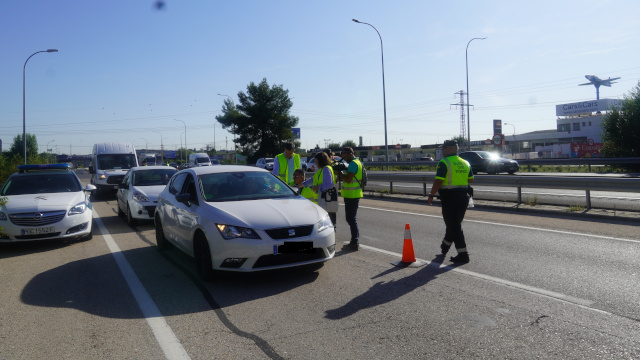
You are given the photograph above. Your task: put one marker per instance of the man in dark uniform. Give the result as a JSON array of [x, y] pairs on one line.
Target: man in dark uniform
[[452, 183]]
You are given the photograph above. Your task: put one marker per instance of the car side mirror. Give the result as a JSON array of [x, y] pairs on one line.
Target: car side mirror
[[184, 198], [90, 187], [91, 170]]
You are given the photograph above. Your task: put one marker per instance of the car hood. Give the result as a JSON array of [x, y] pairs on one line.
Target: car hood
[[151, 192], [43, 202], [267, 214]]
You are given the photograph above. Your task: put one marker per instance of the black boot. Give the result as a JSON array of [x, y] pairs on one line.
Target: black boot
[[461, 258], [444, 248]]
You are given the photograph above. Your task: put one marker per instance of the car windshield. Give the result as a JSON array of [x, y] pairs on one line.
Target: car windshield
[[238, 186], [152, 177], [268, 161], [201, 160], [116, 161], [41, 184], [488, 155]]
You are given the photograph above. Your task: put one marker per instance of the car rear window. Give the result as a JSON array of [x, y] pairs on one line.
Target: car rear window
[[152, 177]]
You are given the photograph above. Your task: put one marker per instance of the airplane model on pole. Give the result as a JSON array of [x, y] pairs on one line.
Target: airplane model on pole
[[597, 82]]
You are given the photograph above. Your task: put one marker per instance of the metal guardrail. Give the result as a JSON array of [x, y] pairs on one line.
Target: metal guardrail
[[521, 162], [587, 184]]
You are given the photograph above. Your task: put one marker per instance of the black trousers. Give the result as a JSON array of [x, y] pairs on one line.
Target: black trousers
[[351, 211], [454, 207]]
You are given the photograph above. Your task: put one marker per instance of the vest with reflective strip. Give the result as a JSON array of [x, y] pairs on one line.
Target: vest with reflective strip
[[317, 177], [309, 194], [457, 173], [284, 169], [353, 190]]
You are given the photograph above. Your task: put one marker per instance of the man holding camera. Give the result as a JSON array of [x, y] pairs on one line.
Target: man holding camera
[[286, 163], [453, 176], [352, 192]]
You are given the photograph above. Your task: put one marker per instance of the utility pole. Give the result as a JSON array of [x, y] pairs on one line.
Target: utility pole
[[463, 127]]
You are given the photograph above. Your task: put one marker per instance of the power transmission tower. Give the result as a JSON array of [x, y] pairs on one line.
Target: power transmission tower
[[463, 127]]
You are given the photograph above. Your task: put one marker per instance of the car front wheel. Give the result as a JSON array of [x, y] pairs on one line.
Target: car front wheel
[[161, 240], [203, 257], [130, 219]]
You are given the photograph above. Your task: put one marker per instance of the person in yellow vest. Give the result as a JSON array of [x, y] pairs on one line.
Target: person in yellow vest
[[298, 178], [286, 163], [453, 177], [323, 179], [352, 192]]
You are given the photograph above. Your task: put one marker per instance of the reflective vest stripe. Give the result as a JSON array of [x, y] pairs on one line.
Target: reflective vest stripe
[[458, 177], [353, 190]]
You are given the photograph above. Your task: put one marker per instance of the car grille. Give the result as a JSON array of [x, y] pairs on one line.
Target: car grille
[[284, 233], [151, 210], [37, 218], [117, 179], [286, 259]]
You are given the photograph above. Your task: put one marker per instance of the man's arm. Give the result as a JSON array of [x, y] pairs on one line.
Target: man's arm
[[351, 172]]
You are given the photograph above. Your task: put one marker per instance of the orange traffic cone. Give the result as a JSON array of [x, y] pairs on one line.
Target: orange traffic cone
[[408, 254]]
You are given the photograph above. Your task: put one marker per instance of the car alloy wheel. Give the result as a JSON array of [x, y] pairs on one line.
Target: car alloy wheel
[[203, 257], [130, 219], [161, 240]]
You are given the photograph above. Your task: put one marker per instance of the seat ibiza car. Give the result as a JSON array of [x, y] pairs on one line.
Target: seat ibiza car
[[43, 202], [137, 194], [241, 218]]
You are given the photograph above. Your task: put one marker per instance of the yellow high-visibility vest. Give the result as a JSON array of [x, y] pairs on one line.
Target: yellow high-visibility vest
[[353, 190], [283, 171]]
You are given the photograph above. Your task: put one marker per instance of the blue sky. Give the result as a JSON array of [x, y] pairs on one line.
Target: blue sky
[[125, 70]]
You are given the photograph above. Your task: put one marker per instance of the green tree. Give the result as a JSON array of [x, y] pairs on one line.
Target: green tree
[[462, 141], [32, 147], [349, 143], [261, 121], [621, 128]]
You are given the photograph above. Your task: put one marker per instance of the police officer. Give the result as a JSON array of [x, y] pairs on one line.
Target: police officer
[[286, 163], [352, 192], [452, 183]]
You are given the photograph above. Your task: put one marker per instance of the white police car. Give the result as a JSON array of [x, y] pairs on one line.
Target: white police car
[[42, 202]]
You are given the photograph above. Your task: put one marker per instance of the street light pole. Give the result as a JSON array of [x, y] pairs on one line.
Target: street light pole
[[49, 152], [514, 136], [185, 139], [466, 57], [24, 121], [384, 97]]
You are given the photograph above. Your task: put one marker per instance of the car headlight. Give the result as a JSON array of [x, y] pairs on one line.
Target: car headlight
[[325, 224], [78, 209], [140, 197], [3, 216], [230, 232], [102, 177]]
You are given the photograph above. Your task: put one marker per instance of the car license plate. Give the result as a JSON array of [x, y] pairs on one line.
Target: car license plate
[[296, 247], [38, 231]]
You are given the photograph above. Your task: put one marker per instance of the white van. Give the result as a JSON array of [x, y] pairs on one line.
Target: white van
[[109, 163], [199, 159]]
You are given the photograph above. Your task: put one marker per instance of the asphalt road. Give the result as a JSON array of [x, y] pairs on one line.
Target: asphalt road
[[537, 287]]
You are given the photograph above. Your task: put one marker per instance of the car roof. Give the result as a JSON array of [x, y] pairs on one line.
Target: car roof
[[154, 167], [201, 170]]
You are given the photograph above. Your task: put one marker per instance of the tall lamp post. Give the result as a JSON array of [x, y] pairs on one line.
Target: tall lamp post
[[466, 57], [49, 151], [514, 135], [235, 148], [384, 97], [24, 121], [185, 139]]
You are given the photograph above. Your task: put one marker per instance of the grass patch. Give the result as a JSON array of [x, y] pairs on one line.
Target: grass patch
[[576, 208], [531, 202]]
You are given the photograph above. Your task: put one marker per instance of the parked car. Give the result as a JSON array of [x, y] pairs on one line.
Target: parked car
[[239, 218], [265, 163], [215, 161], [137, 194], [45, 202], [489, 162], [426, 158], [311, 165]]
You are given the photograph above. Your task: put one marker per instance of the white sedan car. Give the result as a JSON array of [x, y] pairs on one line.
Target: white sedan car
[[137, 194], [241, 218], [45, 202]]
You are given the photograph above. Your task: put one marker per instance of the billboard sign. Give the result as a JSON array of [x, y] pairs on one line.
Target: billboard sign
[[497, 127], [586, 150], [587, 107], [296, 132]]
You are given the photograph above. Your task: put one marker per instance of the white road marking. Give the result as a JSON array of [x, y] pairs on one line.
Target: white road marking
[[583, 303], [167, 340], [510, 225]]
